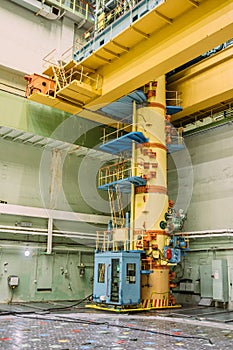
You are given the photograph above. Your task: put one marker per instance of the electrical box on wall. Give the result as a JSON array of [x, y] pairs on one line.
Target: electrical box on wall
[[206, 281], [13, 281], [220, 280]]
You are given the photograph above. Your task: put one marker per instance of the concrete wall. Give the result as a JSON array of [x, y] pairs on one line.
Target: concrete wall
[[34, 176], [211, 166], [45, 277], [21, 183], [26, 38], [208, 161]]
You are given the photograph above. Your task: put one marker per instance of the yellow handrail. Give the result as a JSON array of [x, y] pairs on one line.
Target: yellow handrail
[[173, 98], [116, 172], [120, 130]]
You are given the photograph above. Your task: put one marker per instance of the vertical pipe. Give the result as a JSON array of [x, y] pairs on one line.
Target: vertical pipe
[[133, 166], [50, 236], [127, 225]]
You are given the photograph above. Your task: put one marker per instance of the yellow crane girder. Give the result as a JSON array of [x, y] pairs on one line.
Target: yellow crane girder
[[205, 84], [177, 41], [164, 38]]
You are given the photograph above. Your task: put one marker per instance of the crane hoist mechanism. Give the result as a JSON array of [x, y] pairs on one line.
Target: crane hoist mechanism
[[135, 255]]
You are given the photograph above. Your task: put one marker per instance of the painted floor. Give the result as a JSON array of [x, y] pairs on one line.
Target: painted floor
[[86, 331]]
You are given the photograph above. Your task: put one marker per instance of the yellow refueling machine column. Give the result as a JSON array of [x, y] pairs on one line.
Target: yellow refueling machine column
[[132, 264], [151, 200]]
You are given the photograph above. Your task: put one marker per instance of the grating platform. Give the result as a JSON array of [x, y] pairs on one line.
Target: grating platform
[[173, 109], [123, 143], [124, 184]]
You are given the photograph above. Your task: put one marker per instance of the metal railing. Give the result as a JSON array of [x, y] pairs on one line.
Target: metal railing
[[76, 7], [116, 133], [108, 27], [103, 21], [93, 79], [67, 55], [122, 127], [50, 59], [175, 140], [61, 75], [108, 240], [115, 172], [173, 98]]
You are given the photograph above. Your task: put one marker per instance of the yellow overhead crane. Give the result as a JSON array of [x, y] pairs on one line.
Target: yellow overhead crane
[[111, 65]]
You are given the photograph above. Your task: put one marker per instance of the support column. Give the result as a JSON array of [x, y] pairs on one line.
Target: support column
[[151, 201]]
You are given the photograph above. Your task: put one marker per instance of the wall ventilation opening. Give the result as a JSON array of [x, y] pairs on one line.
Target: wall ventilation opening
[[44, 289]]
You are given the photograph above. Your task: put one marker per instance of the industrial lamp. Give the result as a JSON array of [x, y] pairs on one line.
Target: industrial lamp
[[27, 252], [82, 270]]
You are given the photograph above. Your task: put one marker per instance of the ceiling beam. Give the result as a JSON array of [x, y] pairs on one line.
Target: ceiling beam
[[165, 18], [192, 34], [194, 3], [204, 85]]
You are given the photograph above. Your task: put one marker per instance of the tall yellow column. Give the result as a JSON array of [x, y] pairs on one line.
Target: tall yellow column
[[151, 201]]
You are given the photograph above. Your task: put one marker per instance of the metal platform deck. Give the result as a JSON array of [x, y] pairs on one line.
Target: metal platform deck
[[125, 184], [173, 109], [123, 143]]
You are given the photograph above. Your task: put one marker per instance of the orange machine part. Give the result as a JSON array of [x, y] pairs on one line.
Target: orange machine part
[[39, 83]]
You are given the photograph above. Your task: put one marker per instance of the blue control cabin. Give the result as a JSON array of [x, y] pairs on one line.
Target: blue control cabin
[[117, 278]]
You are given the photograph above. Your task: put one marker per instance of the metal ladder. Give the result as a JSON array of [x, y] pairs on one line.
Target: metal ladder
[[60, 77], [116, 206]]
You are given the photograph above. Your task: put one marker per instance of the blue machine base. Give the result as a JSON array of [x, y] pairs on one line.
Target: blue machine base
[[117, 278]]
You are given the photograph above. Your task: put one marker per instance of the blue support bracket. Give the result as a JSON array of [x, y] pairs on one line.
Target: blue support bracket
[[173, 109]]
